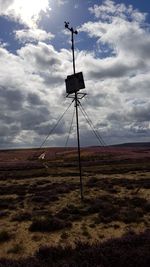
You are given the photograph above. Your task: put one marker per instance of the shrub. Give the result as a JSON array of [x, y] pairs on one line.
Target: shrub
[[70, 212], [131, 250], [7, 203], [4, 236], [54, 254], [48, 224], [147, 207], [131, 216], [22, 216], [92, 181], [86, 233], [138, 202], [3, 213], [64, 235], [17, 248]]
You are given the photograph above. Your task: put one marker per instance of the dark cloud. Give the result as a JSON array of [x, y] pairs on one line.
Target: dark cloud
[[45, 129], [99, 100], [51, 79], [11, 98], [45, 60], [117, 116], [114, 71], [102, 125], [32, 83], [27, 100], [140, 129], [32, 117], [42, 56], [34, 99], [141, 113], [137, 85], [8, 133]]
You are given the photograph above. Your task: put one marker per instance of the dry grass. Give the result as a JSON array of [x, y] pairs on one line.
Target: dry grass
[[46, 210]]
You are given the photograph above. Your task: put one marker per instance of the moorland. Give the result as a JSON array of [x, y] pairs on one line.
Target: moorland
[[44, 221]]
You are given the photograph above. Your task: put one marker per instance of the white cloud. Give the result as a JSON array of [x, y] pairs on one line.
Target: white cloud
[[123, 72], [27, 12], [61, 2], [110, 9], [31, 94], [32, 81], [32, 35], [123, 35]]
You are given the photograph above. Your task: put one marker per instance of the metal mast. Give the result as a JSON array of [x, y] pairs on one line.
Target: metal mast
[[76, 106]]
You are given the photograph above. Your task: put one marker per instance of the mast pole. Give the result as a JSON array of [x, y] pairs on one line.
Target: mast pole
[[76, 106]]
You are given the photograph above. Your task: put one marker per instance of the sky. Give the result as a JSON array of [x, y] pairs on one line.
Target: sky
[[112, 49]]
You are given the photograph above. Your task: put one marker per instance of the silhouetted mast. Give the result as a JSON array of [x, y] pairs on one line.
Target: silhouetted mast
[[74, 83]]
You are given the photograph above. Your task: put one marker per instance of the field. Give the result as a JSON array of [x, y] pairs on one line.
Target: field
[[40, 205]]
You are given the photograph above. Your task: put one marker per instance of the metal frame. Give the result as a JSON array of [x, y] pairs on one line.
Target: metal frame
[[76, 98]]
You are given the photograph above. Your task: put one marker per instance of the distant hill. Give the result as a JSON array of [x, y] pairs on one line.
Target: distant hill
[[138, 145]]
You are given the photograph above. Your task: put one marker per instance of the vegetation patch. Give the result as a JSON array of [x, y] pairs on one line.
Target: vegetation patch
[[3, 213], [4, 236], [109, 208], [108, 184], [7, 203], [130, 250], [70, 212], [16, 249], [31, 205], [22, 216], [48, 224]]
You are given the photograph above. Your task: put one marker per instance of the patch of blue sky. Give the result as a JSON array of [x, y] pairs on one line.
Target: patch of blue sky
[[7, 33]]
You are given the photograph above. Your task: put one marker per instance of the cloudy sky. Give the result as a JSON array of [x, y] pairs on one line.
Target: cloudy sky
[[112, 50]]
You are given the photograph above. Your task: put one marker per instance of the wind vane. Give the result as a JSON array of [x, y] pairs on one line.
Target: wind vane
[[74, 83]]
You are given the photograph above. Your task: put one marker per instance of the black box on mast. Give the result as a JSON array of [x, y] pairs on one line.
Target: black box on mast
[[74, 83]]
